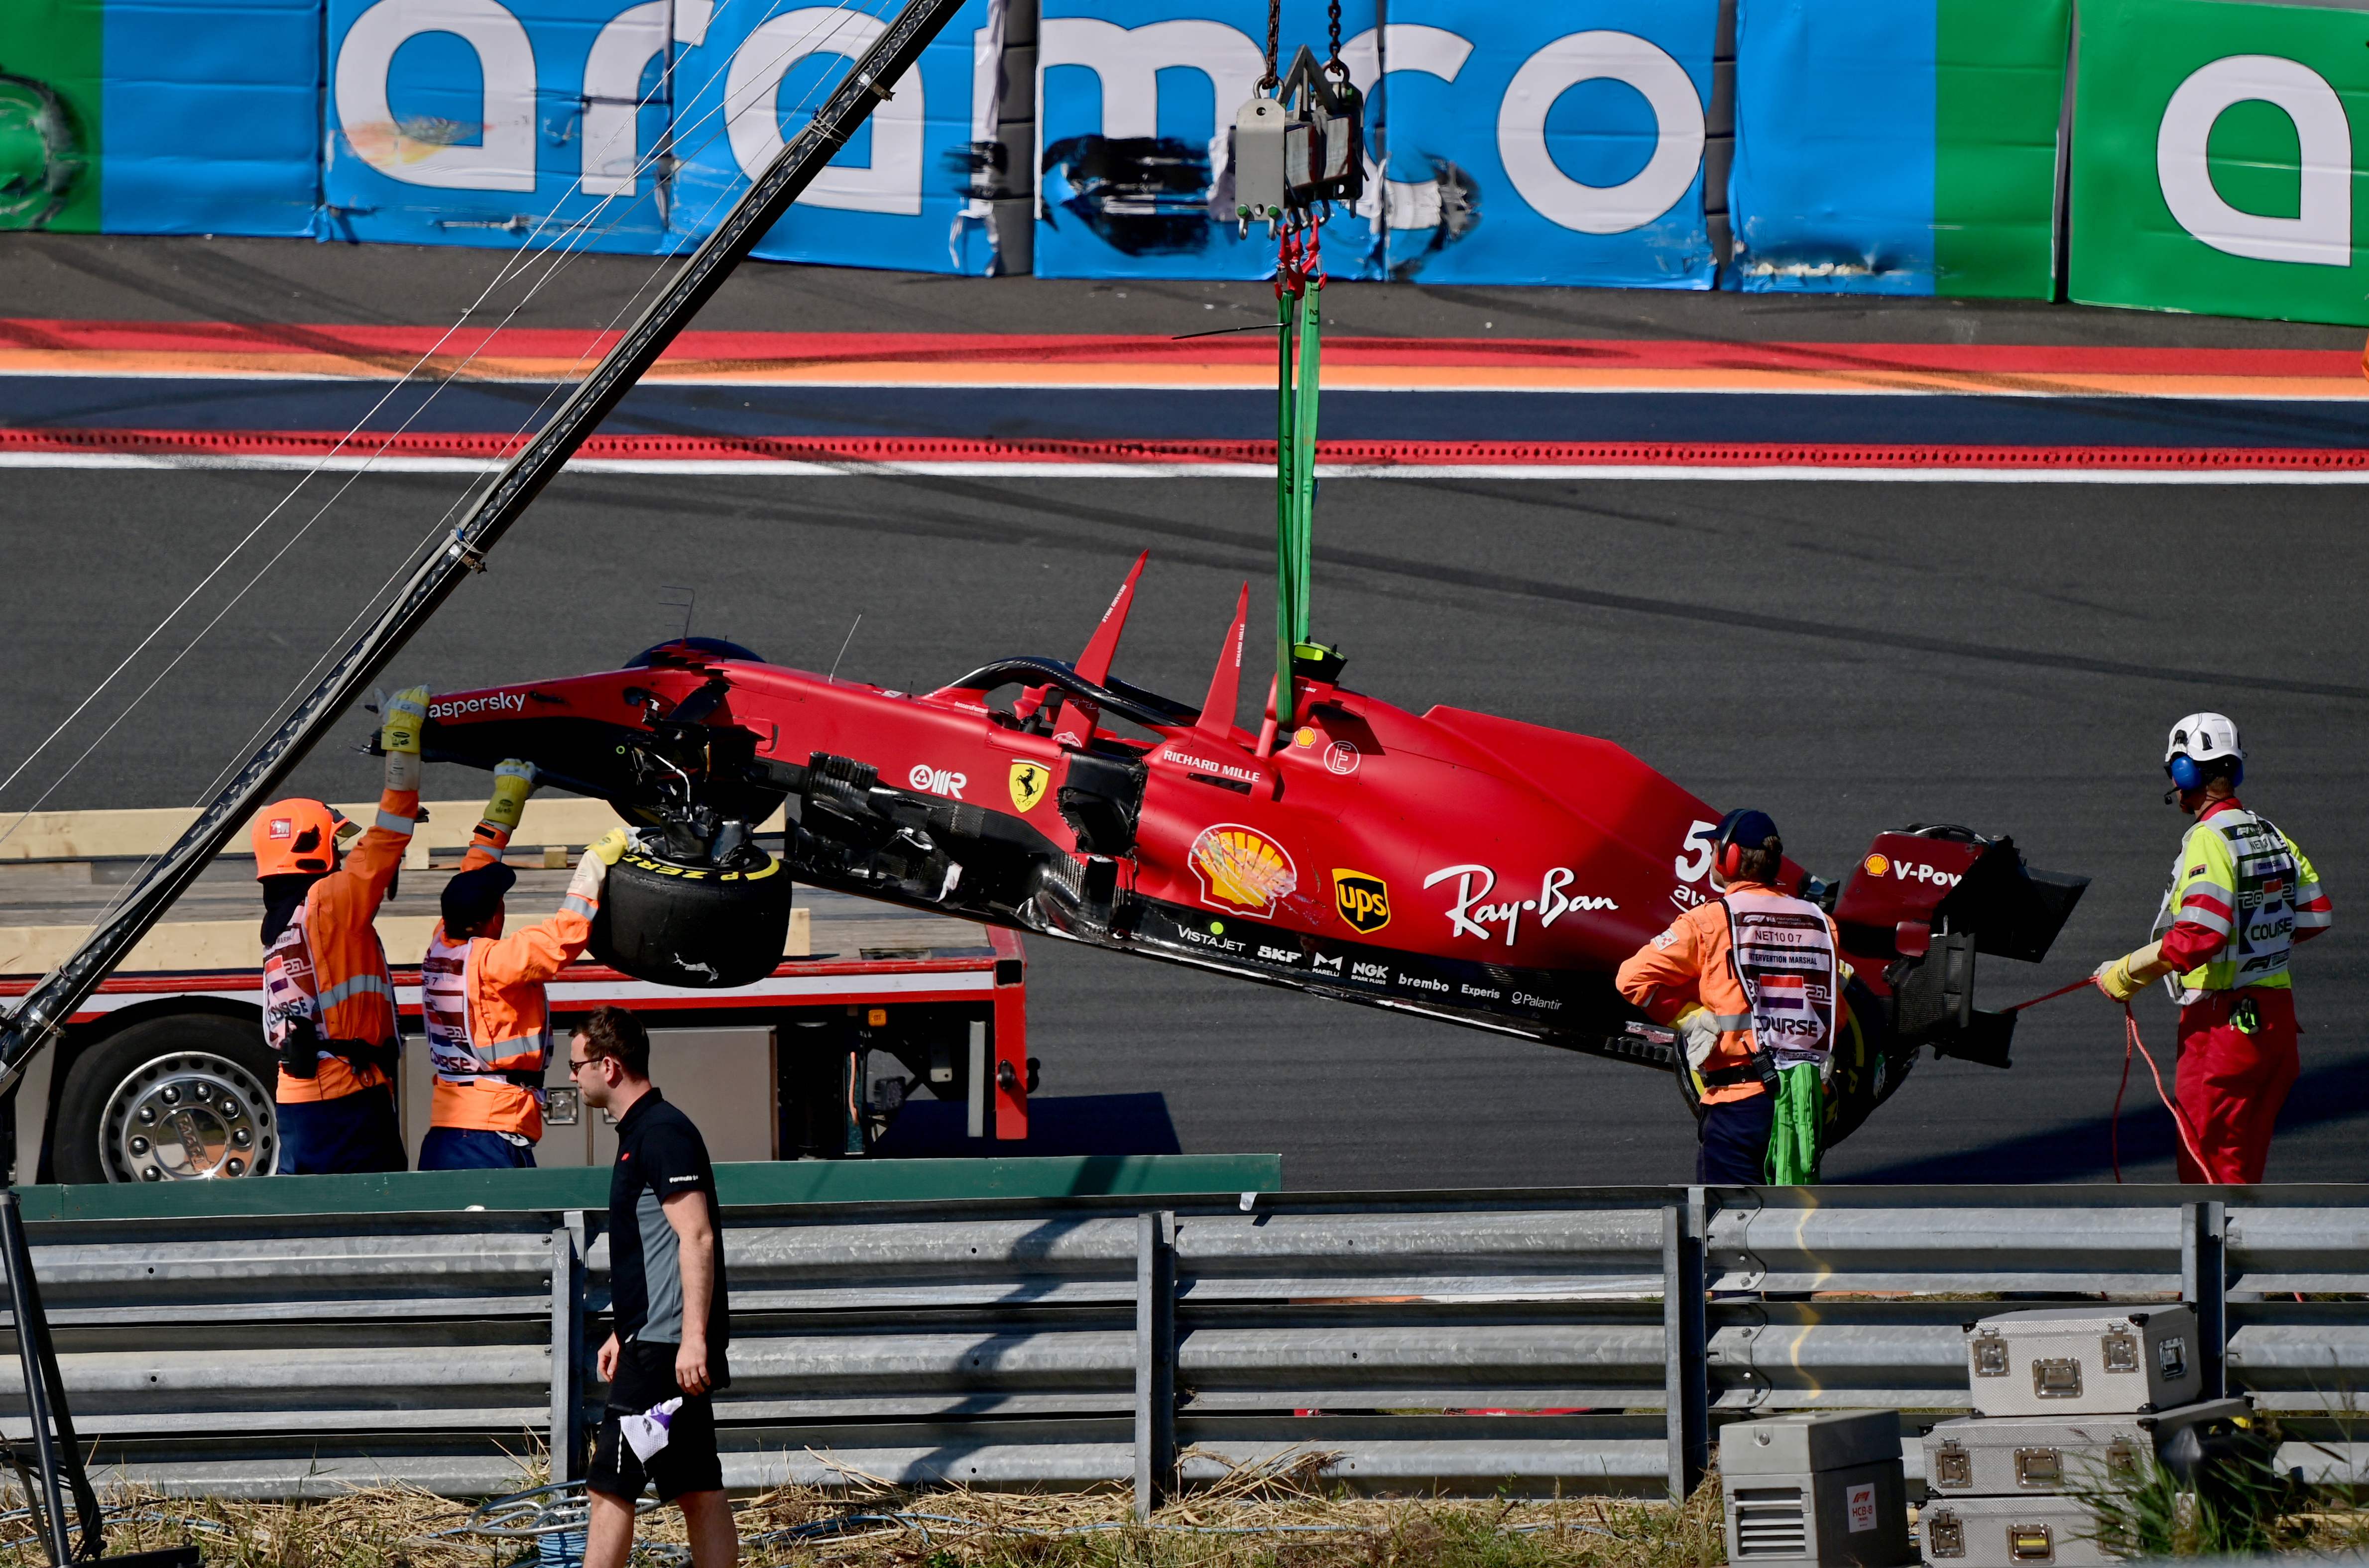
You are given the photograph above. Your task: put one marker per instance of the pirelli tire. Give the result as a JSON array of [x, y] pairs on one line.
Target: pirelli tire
[[693, 926]]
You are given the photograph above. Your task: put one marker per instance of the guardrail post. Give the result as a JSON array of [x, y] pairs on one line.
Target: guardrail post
[[2204, 1285], [1686, 1373], [1155, 1360], [567, 1457]]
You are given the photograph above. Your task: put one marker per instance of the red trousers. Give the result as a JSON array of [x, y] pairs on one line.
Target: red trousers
[[2231, 1083]]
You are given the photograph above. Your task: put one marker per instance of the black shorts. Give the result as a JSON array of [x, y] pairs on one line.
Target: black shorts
[[688, 1463]]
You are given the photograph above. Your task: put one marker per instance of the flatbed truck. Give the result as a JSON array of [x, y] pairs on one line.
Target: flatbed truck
[[162, 1074]]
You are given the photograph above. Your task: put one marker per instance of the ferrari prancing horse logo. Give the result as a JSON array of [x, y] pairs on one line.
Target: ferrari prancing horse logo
[[1028, 785]]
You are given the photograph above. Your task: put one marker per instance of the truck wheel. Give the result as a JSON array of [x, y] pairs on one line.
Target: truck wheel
[[696, 926], [173, 1099]]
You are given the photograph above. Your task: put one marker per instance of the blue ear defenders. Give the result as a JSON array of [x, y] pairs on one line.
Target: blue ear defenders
[[2188, 773]]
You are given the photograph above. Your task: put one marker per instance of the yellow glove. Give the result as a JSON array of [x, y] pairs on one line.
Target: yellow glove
[[405, 715], [2124, 978], [403, 718], [513, 781], [608, 846]]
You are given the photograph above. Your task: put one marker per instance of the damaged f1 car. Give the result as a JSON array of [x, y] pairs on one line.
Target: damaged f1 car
[[1474, 869]]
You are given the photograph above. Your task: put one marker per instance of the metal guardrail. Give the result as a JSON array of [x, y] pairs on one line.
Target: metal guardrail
[[1527, 1341]]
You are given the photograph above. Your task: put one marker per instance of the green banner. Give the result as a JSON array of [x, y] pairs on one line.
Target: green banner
[[2215, 161], [49, 60], [1998, 93]]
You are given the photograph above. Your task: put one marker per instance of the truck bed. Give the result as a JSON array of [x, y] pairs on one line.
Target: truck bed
[[46, 906], [868, 965]]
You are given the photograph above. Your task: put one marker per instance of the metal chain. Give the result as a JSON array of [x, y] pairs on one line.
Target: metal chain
[[1274, 77], [1332, 64]]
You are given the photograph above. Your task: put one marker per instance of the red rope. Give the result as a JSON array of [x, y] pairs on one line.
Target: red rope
[[2131, 1042], [2061, 990], [2114, 1128], [2179, 1118]]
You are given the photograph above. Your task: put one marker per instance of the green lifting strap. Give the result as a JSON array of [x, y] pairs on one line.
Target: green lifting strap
[[1300, 319], [1796, 1143]]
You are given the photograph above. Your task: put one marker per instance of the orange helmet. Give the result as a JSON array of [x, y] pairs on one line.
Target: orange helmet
[[294, 836]]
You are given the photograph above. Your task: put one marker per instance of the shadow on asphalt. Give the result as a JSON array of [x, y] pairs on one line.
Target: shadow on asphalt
[[2083, 1151], [1068, 1124]]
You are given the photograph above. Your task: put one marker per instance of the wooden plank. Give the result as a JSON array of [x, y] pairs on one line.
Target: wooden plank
[[237, 945], [101, 835]]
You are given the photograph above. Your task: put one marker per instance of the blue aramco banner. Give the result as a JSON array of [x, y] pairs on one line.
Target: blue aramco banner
[[212, 115], [897, 194], [1135, 107], [633, 128], [1941, 178], [1506, 146], [1548, 143]]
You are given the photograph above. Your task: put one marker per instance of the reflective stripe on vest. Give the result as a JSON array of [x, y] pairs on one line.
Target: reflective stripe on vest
[[448, 984], [289, 1000], [358, 985], [2245, 857], [1783, 951]]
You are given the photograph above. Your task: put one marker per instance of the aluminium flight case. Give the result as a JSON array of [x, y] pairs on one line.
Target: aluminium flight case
[[2020, 1455], [2084, 1361], [2009, 1533]]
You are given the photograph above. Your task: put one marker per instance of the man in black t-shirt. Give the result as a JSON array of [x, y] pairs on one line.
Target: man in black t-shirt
[[666, 1286]]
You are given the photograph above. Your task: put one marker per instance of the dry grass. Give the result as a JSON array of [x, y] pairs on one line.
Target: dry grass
[[381, 1527], [1243, 1522], [1253, 1519]]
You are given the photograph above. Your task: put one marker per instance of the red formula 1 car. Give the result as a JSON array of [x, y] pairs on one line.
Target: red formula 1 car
[[1478, 870]]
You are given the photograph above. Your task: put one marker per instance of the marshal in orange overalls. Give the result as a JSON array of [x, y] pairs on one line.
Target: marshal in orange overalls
[[488, 1016]]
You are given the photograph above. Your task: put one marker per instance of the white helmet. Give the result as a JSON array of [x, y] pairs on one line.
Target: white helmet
[[2206, 738]]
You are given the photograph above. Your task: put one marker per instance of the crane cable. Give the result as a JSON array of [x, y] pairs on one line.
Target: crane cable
[[567, 243]]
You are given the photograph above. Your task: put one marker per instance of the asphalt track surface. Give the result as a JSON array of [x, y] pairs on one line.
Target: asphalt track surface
[[1850, 655], [1107, 414]]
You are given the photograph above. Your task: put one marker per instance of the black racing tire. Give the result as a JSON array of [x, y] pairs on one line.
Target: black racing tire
[[1869, 1064], [681, 925], [183, 1098]]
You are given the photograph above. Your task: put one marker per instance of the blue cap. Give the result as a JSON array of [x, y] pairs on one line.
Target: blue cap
[[1746, 828]]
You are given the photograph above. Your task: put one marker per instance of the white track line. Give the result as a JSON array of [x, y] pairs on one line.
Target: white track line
[[1574, 473]]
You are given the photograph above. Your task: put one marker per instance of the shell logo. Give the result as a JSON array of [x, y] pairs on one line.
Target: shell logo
[[1875, 865], [1240, 868]]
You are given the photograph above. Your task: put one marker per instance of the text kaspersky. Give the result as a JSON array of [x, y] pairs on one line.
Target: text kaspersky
[[495, 701]]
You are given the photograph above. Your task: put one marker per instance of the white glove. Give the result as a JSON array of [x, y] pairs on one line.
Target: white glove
[[593, 866], [1697, 1034]]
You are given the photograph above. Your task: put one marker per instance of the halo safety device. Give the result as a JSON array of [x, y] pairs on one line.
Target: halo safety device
[[1740, 830], [2198, 740], [294, 836]]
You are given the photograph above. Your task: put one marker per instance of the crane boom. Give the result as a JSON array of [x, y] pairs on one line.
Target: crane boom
[[45, 1008]]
